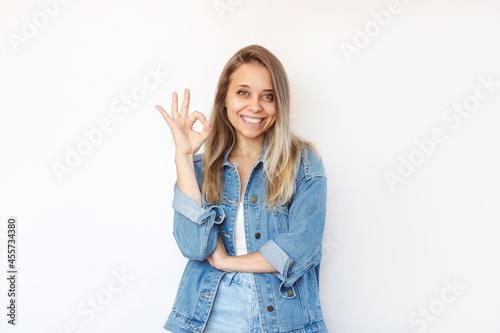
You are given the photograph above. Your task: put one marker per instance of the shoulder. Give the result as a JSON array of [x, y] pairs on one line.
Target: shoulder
[[310, 165]]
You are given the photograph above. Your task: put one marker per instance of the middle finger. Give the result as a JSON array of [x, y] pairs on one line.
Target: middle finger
[[185, 103]]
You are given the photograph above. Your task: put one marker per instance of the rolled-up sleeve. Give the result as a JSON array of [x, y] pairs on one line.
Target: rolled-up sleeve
[[294, 252], [195, 226]]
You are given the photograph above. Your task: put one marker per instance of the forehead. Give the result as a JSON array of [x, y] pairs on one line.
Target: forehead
[[253, 75]]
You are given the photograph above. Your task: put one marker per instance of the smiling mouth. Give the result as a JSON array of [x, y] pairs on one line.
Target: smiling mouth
[[252, 120]]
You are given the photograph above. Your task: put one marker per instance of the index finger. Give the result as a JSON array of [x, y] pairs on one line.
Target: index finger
[[165, 115], [175, 113]]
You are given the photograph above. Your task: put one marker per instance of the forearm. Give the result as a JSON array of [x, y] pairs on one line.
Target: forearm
[[186, 177], [250, 263]]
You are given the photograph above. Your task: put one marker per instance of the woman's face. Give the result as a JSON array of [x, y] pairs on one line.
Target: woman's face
[[250, 101]]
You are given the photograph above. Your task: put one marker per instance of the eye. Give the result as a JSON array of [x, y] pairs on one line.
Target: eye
[[242, 92], [269, 97]]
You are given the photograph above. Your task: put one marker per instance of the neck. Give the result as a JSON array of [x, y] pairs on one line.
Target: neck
[[248, 148]]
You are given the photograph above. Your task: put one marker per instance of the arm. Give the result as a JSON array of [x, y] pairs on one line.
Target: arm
[[294, 252], [187, 142], [195, 226], [186, 177], [194, 220], [250, 263]]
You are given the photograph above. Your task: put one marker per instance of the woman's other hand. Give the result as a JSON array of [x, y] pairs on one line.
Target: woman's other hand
[[187, 141], [219, 257]]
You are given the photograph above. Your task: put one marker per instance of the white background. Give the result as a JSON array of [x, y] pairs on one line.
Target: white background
[[389, 254]]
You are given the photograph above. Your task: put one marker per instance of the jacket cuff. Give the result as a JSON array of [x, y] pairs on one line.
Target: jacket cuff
[[188, 207], [277, 258]]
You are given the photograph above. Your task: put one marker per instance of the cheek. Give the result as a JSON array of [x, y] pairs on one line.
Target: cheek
[[272, 112], [235, 103], [272, 121]]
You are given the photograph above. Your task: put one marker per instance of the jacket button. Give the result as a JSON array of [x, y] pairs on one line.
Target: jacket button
[[270, 308], [217, 219], [257, 235], [289, 292], [253, 198]]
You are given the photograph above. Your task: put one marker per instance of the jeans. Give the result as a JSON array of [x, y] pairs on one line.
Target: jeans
[[235, 308]]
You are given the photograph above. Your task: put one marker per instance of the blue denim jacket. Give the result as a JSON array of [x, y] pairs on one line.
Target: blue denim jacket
[[289, 237]]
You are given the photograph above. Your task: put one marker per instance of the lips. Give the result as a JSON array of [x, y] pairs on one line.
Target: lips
[[253, 121]]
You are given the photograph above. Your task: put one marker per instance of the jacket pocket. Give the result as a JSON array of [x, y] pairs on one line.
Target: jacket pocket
[[309, 294]]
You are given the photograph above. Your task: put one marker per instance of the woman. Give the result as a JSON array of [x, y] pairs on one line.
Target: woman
[[249, 212]]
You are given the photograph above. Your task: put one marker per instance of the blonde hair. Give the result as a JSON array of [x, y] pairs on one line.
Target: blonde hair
[[282, 157]]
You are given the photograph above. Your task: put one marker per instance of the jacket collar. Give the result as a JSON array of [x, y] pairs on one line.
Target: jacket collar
[[260, 160]]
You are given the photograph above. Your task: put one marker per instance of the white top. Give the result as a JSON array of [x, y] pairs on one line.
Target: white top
[[240, 242]]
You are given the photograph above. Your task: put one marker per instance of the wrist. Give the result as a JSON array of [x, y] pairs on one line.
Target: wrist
[[227, 264], [183, 158]]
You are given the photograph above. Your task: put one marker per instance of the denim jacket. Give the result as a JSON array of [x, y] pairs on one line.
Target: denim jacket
[[288, 236]]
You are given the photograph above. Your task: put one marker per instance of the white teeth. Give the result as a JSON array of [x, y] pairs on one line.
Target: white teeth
[[252, 120]]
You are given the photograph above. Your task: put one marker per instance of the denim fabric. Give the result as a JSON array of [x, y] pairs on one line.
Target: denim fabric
[[288, 236], [235, 306]]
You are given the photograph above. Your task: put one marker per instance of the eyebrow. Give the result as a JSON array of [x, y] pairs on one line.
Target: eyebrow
[[247, 86]]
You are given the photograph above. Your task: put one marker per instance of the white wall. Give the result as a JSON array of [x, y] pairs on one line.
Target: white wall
[[420, 255]]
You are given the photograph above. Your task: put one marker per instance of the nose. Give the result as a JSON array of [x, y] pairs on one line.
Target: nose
[[254, 104]]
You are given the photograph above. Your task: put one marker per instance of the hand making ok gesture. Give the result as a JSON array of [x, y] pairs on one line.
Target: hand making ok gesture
[[187, 141]]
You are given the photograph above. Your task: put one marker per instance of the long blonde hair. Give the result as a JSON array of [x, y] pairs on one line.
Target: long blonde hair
[[282, 157]]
